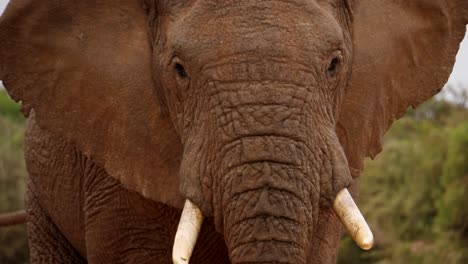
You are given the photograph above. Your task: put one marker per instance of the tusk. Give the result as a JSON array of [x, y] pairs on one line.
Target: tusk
[[187, 233], [353, 220]]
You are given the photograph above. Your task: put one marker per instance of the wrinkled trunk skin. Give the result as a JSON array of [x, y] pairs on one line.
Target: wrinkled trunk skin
[[268, 191], [266, 216]]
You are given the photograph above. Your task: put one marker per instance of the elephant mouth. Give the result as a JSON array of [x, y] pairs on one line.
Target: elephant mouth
[[344, 206]]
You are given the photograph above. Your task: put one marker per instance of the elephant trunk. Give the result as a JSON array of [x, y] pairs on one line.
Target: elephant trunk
[[268, 201], [267, 188]]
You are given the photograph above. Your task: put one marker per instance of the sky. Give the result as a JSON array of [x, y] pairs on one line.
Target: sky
[[459, 75], [460, 71]]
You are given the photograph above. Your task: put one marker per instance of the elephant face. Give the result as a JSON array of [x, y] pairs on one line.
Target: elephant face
[[256, 110], [259, 112]]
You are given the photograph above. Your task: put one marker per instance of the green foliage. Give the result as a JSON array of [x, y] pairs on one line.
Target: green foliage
[[10, 109], [13, 241], [414, 193], [451, 205]]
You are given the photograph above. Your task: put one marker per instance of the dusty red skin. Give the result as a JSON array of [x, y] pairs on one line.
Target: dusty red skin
[[258, 111]]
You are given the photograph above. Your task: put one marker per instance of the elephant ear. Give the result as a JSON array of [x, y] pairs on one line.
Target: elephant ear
[[84, 67], [404, 52]]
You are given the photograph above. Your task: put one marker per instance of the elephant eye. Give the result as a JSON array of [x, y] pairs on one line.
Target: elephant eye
[[334, 65], [181, 71], [181, 74]]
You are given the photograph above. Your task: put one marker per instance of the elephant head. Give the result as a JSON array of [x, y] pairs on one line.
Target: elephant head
[[258, 113]]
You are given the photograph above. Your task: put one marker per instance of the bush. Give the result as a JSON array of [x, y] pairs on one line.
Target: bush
[[414, 193], [451, 206], [10, 109], [13, 240]]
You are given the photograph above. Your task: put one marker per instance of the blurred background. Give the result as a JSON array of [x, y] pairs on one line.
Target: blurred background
[[414, 194]]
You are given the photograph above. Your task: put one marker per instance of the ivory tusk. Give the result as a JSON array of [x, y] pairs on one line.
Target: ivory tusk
[[187, 233], [353, 220]]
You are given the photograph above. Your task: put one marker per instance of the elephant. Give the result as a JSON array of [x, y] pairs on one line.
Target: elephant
[[204, 131]]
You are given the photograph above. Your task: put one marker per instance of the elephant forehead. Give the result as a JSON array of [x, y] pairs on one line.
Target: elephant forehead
[[281, 29]]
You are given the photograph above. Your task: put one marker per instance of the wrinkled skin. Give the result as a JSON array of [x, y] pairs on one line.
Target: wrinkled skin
[[259, 112], [272, 155], [85, 215]]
